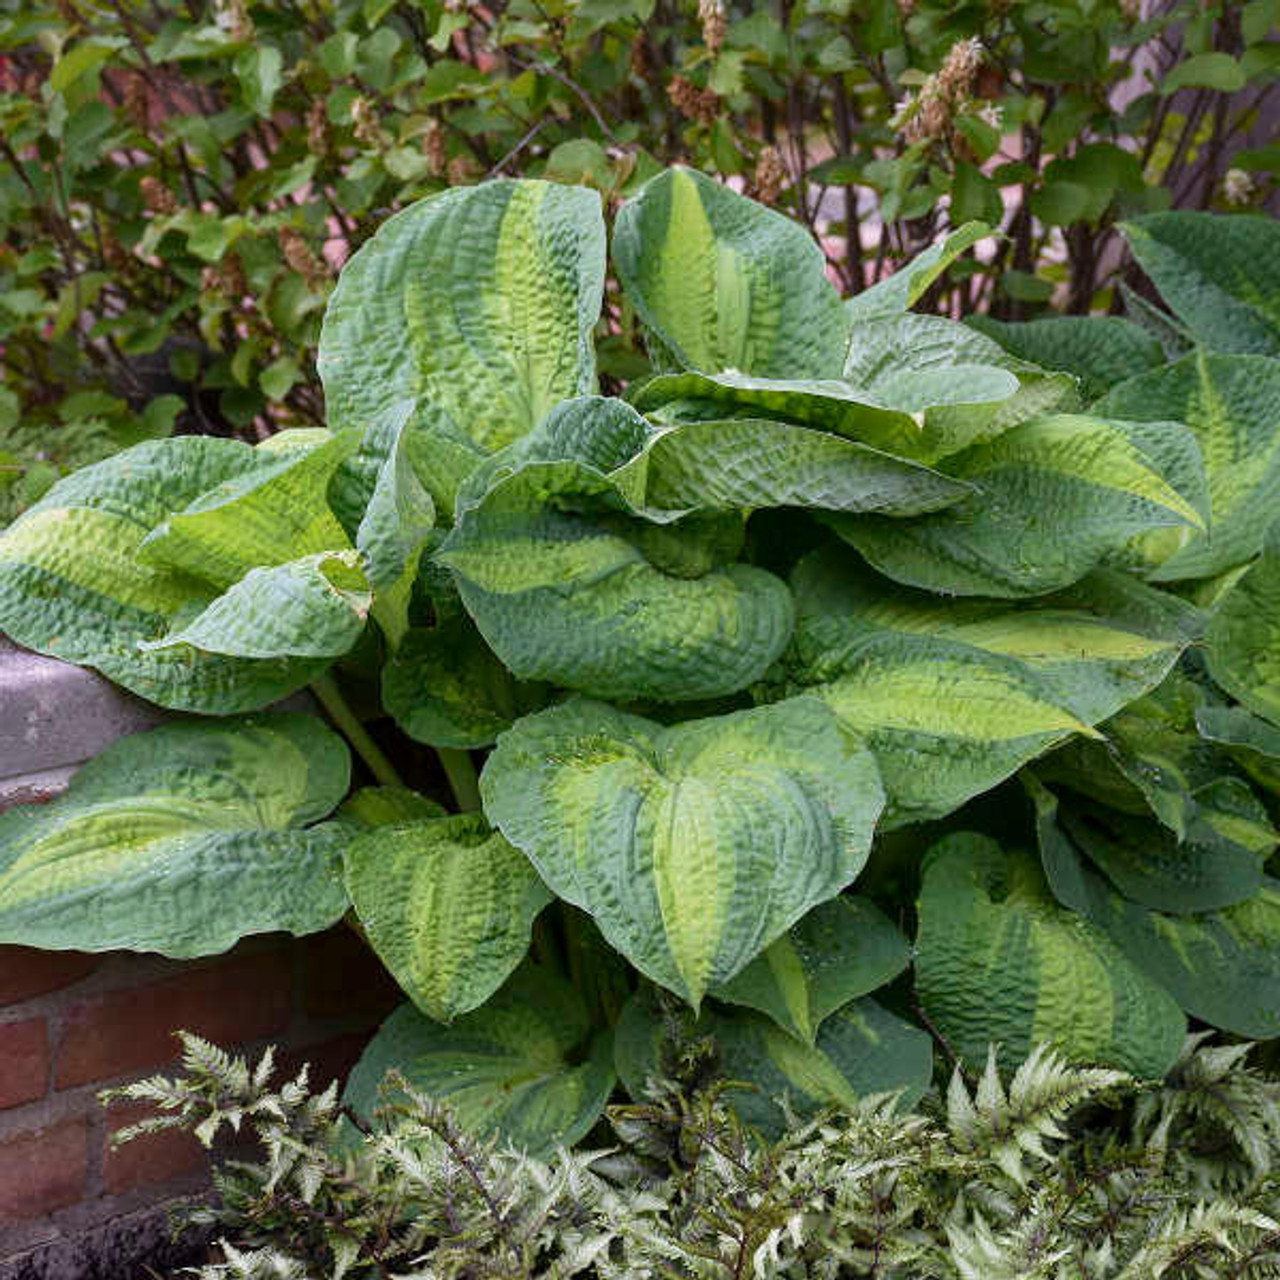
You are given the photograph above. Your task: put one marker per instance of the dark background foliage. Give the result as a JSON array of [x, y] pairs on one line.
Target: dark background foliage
[[179, 182]]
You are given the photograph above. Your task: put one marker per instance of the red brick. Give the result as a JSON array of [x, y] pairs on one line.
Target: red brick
[[145, 1161], [343, 976], [124, 1031], [43, 1170], [26, 972], [24, 1061]]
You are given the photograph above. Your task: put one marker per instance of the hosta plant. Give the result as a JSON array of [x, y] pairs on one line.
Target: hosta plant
[[829, 572]]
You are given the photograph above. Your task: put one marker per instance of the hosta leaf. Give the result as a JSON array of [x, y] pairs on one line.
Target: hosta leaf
[[395, 526], [831, 403], [1097, 645], [447, 904], [1202, 872], [749, 464], [1055, 495], [567, 586], [726, 283], [1243, 639], [1252, 743], [912, 363], [860, 1050], [840, 950], [182, 840], [447, 688], [389, 806], [525, 1067], [909, 282], [947, 719], [1221, 966], [71, 585], [274, 514], [998, 960], [1232, 406], [314, 607], [1099, 350], [693, 847], [475, 305], [1218, 275]]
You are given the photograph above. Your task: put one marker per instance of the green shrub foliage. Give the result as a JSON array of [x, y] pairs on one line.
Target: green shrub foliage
[[1066, 1174], [179, 181], [846, 623]]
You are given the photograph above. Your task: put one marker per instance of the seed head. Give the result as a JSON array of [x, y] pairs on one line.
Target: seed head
[[770, 176], [715, 25], [298, 254], [156, 196]]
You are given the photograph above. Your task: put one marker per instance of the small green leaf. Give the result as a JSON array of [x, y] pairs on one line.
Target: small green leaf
[[1218, 71], [525, 1067], [260, 70], [447, 904], [840, 950], [447, 688], [861, 1050]]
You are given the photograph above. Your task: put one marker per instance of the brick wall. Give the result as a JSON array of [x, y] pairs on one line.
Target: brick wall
[[71, 1208]]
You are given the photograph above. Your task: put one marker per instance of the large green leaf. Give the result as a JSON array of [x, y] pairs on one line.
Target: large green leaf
[[998, 960], [1252, 743], [747, 464], [274, 514], [1096, 645], [945, 721], [860, 1050], [395, 526], [1099, 350], [568, 585], [72, 585], [907, 285], [840, 950], [477, 307], [1243, 638], [182, 840], [525, 1067], [830, 402], [726, 283], [1221, 966], [1220, 276], [912, 363], [693, 847], [447, 904], [447, 688], [1055, 496], [314, 607], [1231, 404]]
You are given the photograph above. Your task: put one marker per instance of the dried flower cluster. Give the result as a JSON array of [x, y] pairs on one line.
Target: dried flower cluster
[[715, 25], [770, 176], [157, 197], [701, 105], [930, 115], [300, 257], [1237, 187]]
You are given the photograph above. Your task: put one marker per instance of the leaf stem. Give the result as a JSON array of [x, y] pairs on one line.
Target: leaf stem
[[326, 689], [462, 778]]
